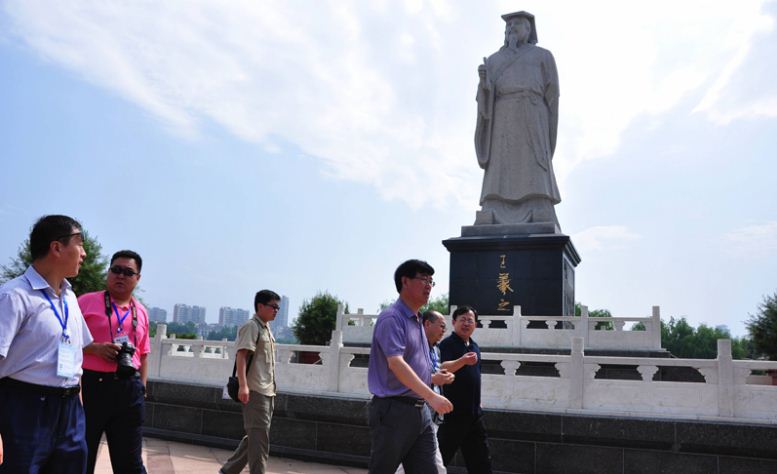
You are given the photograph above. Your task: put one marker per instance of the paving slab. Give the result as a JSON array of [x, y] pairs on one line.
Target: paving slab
[[168, 457]]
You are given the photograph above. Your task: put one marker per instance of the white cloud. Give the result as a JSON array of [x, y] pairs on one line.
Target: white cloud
[[744, 90], [594, 239], [754, 240], [383, 92], [637, 60]]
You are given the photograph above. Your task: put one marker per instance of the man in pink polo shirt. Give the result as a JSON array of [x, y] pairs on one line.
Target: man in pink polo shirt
[[115, 370]]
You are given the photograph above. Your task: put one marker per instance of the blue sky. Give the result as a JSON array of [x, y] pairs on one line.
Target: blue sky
[[313, 146]]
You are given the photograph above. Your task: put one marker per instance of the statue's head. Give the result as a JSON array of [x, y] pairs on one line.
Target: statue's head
[[520, 28]]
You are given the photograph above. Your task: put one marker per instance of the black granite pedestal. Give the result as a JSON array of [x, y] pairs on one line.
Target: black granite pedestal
[[495, 273]]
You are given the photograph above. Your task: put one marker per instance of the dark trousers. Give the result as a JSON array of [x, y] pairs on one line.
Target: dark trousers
[[42, 433], [400, 433], [115, 406], [469, 434]]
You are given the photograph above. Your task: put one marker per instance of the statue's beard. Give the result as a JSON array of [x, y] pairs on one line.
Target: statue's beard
[[513, 41]]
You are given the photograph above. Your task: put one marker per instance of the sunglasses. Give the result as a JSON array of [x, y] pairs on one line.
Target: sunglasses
[[128, 272], [273, 306]]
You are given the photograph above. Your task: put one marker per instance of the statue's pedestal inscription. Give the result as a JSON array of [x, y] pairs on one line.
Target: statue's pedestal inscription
[[495, 273]]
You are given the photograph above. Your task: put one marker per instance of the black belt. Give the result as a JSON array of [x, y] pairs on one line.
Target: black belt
[[107, 376], [416, 402], [63, 392]]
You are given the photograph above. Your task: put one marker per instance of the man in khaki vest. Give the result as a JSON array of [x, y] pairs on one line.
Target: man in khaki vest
[[256, 347]]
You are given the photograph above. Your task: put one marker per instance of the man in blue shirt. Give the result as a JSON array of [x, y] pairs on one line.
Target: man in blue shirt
[[399, 377], [42, 335], [463, 427]]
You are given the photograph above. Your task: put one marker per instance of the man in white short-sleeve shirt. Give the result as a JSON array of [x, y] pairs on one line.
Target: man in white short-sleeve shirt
[[42, 335]]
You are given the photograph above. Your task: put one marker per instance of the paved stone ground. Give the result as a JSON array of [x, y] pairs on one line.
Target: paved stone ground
[[167, 457]]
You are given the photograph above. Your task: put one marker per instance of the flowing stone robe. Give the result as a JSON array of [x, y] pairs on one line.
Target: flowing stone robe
[[516, 128]]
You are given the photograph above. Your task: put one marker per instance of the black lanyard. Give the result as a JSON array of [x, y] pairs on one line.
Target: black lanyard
[[108, 312]]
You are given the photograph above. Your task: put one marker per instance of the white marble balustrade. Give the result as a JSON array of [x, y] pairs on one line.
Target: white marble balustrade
[[357, 329], [730, 390]]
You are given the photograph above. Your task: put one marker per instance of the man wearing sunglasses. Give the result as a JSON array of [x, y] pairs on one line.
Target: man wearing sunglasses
[[115, 370], [42, 333], [255, 360]]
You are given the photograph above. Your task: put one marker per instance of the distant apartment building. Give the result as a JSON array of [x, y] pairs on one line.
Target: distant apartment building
[[183, 313], [280, 324], [282, 319], [232, 316], [158, 315]]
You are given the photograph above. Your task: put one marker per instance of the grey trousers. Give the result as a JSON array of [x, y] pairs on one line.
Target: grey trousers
[[437, 454], [254, 448], [401, 434]]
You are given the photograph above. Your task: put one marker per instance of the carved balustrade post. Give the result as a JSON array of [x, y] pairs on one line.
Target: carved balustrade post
[[655, 328], [516, 327], [725, 379]]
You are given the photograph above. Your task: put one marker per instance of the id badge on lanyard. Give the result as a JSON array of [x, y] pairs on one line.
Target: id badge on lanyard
[[120, 338], [66, 360], [66, 353]]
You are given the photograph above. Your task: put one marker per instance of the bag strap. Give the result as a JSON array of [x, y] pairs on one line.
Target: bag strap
[[250, 357]]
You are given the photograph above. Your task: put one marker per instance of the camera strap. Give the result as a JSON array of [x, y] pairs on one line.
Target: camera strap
[[108, 310]]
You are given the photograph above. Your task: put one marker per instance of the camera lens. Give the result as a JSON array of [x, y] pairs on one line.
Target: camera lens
[[124, 366]]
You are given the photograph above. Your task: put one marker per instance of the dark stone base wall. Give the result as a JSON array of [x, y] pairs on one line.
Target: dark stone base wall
[[326, 429], [321, 429]]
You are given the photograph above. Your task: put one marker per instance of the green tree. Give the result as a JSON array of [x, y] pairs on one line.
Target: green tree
[[763, 328], [91, 277], [743, 348], [182, 331], [685, 341], [317, 318], [228, 332], [596, 313], [441, 304]]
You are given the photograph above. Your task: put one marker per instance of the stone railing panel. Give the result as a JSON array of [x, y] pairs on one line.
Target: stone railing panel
[[357, 329], [656, 399], [728, 394]]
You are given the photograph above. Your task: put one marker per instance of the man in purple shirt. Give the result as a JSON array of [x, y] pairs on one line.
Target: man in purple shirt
[[399, 378]]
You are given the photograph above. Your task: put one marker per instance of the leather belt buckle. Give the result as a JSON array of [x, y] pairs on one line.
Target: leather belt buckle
[[70, 391]]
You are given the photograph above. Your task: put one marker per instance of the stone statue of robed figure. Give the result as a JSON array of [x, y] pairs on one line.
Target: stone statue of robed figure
[[516, 129], [515, 254]]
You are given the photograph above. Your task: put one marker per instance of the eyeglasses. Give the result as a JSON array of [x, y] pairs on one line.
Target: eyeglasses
[[426, 280], [273, 306], [466, 320], [119, 270]]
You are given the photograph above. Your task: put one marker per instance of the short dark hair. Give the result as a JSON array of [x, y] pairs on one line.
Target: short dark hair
[[49, 229], [410, 269], [430, 315], [464, 309], [128, 254], [264, 297]]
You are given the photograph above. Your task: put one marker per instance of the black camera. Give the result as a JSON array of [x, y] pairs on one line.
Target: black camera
[[125, 369]]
